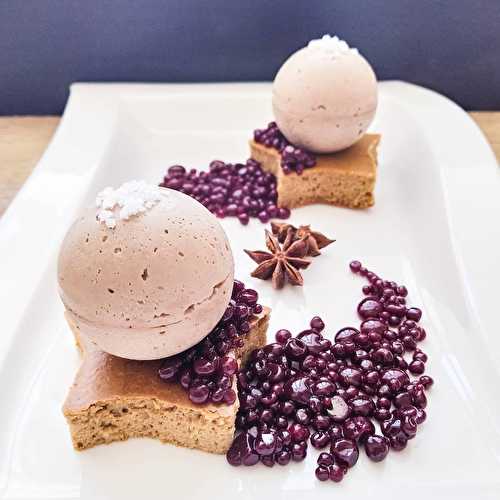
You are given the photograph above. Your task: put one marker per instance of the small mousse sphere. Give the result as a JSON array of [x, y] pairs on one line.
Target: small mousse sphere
[[146, 273], [325, 96]]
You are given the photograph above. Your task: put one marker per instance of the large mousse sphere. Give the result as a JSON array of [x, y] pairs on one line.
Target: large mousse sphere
[[325, 96], [146, 273]]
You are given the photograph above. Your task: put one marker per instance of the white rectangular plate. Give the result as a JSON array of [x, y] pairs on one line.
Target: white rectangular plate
[[434, 227]]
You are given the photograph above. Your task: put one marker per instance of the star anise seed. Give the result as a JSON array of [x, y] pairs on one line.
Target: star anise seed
[[283, 260], [314, 239]]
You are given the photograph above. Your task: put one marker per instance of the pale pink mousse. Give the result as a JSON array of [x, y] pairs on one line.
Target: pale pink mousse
[[152, 286], [324, 101]]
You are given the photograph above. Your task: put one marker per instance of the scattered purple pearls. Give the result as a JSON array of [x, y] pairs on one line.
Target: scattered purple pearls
[[230, 190], [293, 159], [207, 370], [335, 394]]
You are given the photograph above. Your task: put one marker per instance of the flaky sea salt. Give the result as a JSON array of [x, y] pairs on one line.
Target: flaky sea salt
[[131, 198], [333, 45]]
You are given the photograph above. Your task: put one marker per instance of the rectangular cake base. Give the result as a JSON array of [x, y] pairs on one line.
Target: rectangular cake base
[[346, 178], [114, 399]]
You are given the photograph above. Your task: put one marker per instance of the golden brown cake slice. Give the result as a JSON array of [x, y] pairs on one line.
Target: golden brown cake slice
[[346, 178], [113, 399]]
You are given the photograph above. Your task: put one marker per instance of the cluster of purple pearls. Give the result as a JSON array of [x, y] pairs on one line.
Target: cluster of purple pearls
[[230, 190], [293, 159], [206, 371], [308, 389]]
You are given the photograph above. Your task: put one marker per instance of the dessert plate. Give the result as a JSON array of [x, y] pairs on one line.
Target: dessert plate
[[433, 228]]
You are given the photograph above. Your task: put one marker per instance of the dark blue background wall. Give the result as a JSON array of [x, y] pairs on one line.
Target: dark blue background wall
[[452, 46]]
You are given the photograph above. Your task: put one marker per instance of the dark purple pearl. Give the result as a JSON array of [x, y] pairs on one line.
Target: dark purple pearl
[[373, 326], [384, 403], [398, 442], [283, 457], [283, 213], [322, 473], [355, 266], [298, 390], [282, 336], [203, 366], [362, 406], [265, 444], [417, 367], [199, 394], [336, 432], [314, 341], [317, 324], [325, 459], [170, 368], [358, 428], [395, 379], [426, 381], [299, 451], [414, 314], [351, 376], [229, 365], [383, 356], [370, 308], [267, 460], [420, 417], [295, 349], [336, 473], [402, 400], [320, 439], [382, 414], [345, 452], [346, 334], [376, 447], [324, 388], [242, 451], [298, 433], [302, 416]]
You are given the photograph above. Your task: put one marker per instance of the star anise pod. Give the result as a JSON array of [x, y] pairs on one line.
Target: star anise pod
[[282, 262], [315, 240]]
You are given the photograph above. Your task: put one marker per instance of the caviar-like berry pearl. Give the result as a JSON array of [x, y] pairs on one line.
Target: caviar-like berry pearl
[[417, 367], [370, 308], [242, 450], [229, 365], [283, 457], [199, 394], [336, 473], [376, 447], [325, 459], [322, 473], [414, 314], [299, 433], [317, 324], [345, 451], [282, 336], [320, 439], [265, 443], [299, 451], [426, 381], [358, 428], [355, 266]]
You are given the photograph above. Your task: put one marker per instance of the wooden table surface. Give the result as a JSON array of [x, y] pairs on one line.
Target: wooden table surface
[[24, 139]]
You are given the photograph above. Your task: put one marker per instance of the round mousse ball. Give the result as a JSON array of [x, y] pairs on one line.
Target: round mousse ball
[[151, 284], [325, 96]]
